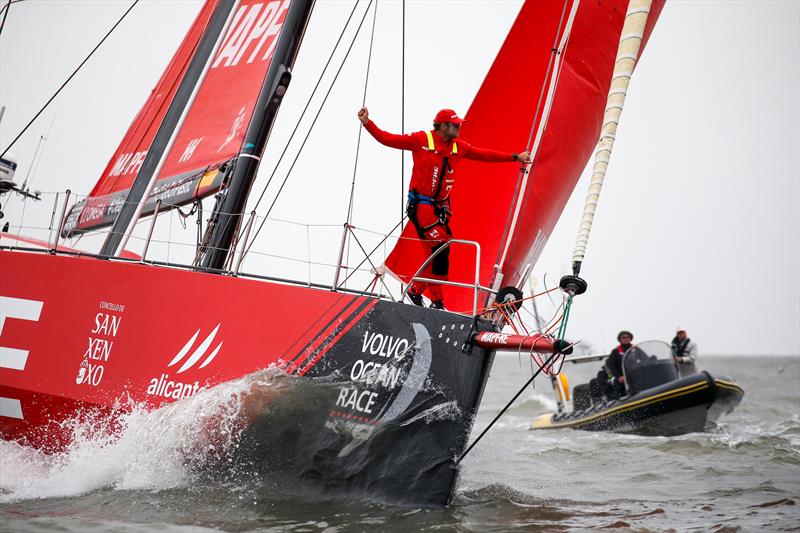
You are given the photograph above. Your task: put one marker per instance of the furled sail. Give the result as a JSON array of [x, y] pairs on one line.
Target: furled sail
[[550, 102], [212, 131]]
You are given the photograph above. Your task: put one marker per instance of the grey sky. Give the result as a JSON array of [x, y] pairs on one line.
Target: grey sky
[[699, 221]]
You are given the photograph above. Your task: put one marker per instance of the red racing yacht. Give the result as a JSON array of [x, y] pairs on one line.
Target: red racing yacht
[[400, 384]]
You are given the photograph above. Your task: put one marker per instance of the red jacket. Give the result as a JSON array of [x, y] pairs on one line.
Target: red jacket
[[427, 164]]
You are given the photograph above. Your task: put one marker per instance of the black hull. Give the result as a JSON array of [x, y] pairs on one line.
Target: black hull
[[690, 404], [404, 450]]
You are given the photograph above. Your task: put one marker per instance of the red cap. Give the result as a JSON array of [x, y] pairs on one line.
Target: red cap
[[447, 115]]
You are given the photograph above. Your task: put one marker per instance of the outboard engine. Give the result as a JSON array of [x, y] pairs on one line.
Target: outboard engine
[[647, 365]]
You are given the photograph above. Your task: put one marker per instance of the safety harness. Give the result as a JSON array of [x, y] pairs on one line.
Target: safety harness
[[679, 347], [440, 207]]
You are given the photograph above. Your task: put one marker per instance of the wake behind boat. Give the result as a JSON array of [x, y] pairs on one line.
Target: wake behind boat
[[657, 400]]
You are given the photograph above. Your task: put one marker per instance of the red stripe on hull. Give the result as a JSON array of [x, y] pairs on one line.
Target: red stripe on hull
[[367, 308], [318, 336]]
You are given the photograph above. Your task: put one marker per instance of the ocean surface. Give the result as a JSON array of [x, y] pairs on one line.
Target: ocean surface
[[742, 476]]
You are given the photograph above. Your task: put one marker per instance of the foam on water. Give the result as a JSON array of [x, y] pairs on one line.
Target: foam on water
[[546, 402], [153, 450]]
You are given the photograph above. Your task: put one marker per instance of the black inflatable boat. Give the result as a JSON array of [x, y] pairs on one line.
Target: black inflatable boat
[[658, 400]]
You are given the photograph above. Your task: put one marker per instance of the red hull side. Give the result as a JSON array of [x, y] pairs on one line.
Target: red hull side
[[109, 330], [80, 337]]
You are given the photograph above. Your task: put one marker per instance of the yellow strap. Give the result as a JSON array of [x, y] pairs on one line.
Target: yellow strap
[[432, 148]]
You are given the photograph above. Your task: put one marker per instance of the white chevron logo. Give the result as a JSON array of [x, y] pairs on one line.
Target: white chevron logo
[[199, 352]]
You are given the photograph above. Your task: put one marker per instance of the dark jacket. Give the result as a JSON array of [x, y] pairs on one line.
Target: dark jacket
[[685, 353], [613, 363]]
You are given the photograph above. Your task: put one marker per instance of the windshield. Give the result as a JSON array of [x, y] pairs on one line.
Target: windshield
[[647, 365]]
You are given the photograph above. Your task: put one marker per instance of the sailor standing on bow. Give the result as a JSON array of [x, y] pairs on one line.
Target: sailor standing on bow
[[436, 155]]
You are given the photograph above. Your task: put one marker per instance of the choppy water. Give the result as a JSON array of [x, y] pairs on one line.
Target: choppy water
[[743, 476]]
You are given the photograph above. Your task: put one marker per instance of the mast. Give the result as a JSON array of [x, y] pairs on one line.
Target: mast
[[229, 209], [144, 179]]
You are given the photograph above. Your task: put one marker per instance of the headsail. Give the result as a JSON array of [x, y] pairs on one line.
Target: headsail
[[528, 90], [212, 132]]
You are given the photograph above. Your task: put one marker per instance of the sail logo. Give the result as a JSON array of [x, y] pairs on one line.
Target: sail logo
[[499, 338], [255, 27], [92, 212], [128, 163], [235, 127], [190, 148], [165, 387], [15, 358]]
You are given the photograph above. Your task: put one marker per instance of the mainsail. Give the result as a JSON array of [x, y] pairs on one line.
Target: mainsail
[[212, 132], [546, 91]]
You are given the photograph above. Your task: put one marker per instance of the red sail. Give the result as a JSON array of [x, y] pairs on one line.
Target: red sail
[[212, 132], [502, 117]]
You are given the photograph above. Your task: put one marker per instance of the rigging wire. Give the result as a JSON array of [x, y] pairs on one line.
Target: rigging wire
[[308, 103], [366, 258], [6, 9], [8, 5], [246, 247], [504, 409], [403, 113], [310, 129], [360, 128], [70, 76]]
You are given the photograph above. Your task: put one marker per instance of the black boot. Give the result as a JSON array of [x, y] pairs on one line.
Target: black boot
[[415, 298], [437, 304]]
